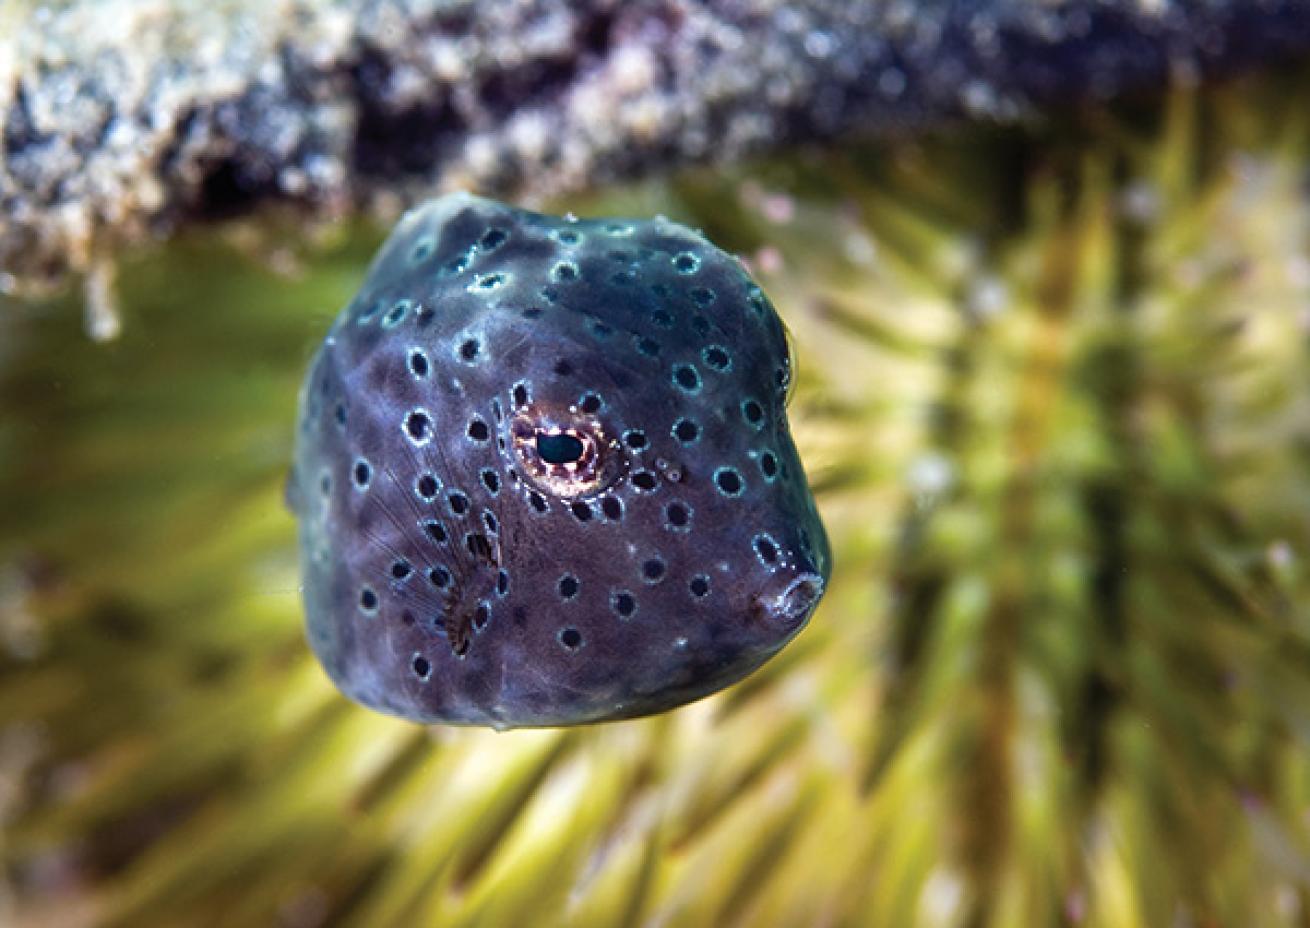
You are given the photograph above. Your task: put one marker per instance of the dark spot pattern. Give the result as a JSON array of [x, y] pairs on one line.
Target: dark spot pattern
[[686, 262], [568, 489], [570, 638], [418, 426], [653, 569], [624, 603], [717, 357], [753, 413], [686, 377], [396, 314], [686, 431], [423, 249], [568, 586], [677, 517], [729, 482]]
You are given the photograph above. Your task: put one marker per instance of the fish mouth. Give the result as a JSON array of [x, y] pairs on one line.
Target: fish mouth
[[790, 608]]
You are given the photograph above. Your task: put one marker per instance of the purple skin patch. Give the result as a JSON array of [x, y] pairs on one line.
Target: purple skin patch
[[543, 473]]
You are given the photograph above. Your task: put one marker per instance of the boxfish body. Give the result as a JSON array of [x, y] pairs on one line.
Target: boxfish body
[[544, 476]]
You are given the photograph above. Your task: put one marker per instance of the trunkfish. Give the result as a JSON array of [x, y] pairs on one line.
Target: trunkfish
[[544, 475]]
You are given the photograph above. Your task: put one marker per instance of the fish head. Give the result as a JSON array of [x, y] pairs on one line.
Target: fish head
[[588, 506]]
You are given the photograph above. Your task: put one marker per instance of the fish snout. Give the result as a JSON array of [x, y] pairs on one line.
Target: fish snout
[[788, 602]]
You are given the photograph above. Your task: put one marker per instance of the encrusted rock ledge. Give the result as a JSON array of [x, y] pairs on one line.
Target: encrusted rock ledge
[[125, 119]]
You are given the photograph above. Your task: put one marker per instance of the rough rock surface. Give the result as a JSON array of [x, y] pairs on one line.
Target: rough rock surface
[[122, 119]]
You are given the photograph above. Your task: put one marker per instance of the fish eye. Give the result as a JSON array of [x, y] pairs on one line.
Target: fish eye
[[564, 453], [559, 449]]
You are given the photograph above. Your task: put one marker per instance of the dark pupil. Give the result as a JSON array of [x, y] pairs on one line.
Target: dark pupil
[[558, 449]]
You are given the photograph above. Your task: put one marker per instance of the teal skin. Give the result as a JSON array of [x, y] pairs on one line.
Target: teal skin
[[544, 476]]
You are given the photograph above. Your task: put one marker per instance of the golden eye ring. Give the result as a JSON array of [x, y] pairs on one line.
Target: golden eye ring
[[565, 454]]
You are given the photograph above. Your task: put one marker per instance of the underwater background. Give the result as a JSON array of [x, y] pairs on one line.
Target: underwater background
[[1052, 394]]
